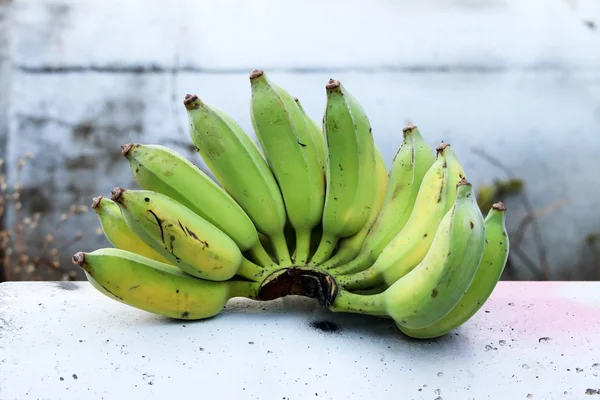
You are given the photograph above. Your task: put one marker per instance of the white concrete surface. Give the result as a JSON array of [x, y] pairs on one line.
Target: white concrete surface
[[519, 79], [62, 340]]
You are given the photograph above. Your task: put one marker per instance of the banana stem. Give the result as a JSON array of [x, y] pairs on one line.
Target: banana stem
[[250, 271], [341, 257], [261, 256], [375, 290], [302, 246], [245, 289], [361, 280], [373, 304], [326, 247], [281, 248], [360, 263]]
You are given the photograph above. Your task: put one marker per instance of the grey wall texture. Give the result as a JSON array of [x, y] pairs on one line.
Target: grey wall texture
[[520, 80]]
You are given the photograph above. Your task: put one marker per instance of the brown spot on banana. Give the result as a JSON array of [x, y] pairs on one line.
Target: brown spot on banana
[[181, 226]]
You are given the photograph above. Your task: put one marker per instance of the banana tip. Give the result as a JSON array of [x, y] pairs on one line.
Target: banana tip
[[442, 146], [96, 201], [190, 101], [499, 206], [462, 182], [256, 73], [332, 84], [409, 127], [116, 194], [79, 258], [126, 148]]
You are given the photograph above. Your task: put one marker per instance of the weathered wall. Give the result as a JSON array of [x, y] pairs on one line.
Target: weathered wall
[[5, 85], [520, 79]]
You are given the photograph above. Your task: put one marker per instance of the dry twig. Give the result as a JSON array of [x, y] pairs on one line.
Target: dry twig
[[529, 219]]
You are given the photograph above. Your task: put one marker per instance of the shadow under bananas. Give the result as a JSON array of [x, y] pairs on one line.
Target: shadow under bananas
[[297, 295], [307, 315]]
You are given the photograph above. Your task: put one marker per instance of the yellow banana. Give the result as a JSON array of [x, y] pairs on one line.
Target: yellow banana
[[429, 291], [160, 169], [411, 162], [157, 287], [118, 233], [495, 255], [184, 238], [409, 246], [349, 247]]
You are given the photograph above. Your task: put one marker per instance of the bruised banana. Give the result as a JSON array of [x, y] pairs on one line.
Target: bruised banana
[[157, 287], [495, 255], [236, 162], [410, 164], [287, 143], [118, 233], [407, 249], [163, 170], [349, 247], [184, 238], [431, 290], [350, 171]]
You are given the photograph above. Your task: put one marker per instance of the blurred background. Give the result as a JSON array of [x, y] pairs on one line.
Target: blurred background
[[513, 86]]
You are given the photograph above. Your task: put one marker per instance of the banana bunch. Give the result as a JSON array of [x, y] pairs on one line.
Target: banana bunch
[[308, 209]]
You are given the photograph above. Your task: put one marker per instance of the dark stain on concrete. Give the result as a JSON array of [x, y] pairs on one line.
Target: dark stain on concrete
[[67, 286]]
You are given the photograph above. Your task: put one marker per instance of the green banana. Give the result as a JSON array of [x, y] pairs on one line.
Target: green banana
[[160, 169], [317, 134], [428, 292], [118, 233], [349, 247], [184, 238], [495, 255], [350, 169], [407, 249], [287, 143], [411, 162], [239, 166], [456, 173], [157, 287]]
